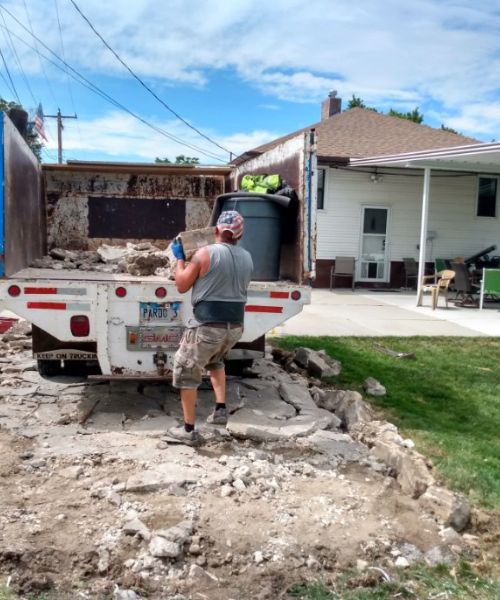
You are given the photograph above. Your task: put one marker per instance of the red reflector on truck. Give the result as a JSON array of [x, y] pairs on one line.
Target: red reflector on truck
[[48, 305], [279, 295], [79, 325], [121, 292], [296, 295], [161, 292], [14, 290], [31, 290], [264, 309]]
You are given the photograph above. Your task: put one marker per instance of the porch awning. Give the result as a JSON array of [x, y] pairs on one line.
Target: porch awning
[[476, 158]]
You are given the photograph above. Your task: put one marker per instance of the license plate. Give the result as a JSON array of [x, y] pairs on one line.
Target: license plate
[[145, 338], [152, 313]]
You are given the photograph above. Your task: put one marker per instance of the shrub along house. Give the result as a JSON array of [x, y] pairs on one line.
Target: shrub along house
[[389, 188]]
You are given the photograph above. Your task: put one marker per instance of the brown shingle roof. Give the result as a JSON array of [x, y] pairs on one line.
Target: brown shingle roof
[[359, 132]]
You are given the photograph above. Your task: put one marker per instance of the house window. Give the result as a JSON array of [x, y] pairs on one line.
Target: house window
[[321, 188], [487, 197]]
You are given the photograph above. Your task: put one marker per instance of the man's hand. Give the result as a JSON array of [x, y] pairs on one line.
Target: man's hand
[[177, 249]]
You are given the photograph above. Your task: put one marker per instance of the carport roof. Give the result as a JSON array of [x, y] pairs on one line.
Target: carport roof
[[476, 158]]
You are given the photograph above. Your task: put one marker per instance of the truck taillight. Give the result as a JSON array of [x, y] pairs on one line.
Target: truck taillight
[[121, 292], [14, 290], [296, 295], [160, 292], [80, 326]]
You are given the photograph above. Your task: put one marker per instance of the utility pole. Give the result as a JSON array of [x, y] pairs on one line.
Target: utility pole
[[59, 118]]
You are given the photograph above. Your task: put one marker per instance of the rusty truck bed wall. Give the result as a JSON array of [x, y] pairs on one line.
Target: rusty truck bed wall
[[23, 228], [287, 160], [89, 205]]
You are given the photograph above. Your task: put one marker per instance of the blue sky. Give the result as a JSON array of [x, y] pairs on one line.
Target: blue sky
[[244, 72]]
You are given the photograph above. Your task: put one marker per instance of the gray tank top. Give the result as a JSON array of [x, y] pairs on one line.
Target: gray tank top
[[227, 278]]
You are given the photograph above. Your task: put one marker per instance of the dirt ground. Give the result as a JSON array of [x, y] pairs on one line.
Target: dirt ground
[[257, 517]]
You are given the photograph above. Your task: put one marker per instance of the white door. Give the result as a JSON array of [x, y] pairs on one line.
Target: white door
[[372, 265]]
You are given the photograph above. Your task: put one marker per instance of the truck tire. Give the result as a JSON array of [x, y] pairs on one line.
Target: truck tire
[[49, 368], [237, 367]]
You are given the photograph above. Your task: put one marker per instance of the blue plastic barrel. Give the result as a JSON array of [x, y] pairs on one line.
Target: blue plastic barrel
[[261, 234]]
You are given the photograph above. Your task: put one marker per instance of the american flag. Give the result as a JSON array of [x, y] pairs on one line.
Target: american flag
[[38, 122]]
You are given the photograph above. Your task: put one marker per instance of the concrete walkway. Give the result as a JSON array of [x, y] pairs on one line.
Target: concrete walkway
[[368, 313]]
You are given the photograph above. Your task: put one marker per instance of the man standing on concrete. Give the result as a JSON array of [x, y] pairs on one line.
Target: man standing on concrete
[[218, 276]]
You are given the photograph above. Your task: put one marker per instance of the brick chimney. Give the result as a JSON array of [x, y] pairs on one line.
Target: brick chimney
[[331, 106]]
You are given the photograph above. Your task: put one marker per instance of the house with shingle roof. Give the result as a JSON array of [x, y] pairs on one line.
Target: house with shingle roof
[[373, 211]]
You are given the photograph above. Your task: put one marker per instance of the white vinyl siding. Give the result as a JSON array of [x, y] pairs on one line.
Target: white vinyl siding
[[452, 209]]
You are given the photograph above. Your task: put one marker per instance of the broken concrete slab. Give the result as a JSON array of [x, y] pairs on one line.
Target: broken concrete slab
[[450, 509], [335, 444]]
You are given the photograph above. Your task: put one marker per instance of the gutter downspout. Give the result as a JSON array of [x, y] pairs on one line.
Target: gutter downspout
[[311, 218], [423, 230]]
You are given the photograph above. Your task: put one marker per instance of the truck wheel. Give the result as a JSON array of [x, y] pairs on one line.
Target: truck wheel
[[49, 368], [237, 367]]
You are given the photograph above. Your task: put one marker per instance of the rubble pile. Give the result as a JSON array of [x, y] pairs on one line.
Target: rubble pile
[[303, 482], [136, 259], [143, 259]]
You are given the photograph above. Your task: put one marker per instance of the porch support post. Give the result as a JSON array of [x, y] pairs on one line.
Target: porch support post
[[423, 231]]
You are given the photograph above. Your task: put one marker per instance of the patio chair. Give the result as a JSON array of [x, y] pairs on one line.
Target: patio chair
[[440, 264], [463, 286], [411, 271], [344, 267], [490, 285], [444, 279]]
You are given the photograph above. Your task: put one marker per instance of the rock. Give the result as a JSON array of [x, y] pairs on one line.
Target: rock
[[401, 562], [317, 365], [226, 490], [452, 510], [136, 527], [163, 548], [103, 564], [411, 469], [112, 254], [179, 533], [351, 409], [373, 387], [438, 555], [196, 573], [239, 485], [258, 557], [71, 472]]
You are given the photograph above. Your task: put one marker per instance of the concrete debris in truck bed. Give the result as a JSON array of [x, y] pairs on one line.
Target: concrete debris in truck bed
[[136, 259], [140, 260]]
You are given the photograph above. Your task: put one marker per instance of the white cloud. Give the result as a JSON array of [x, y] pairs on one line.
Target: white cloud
[[390, 53], [117, 135]]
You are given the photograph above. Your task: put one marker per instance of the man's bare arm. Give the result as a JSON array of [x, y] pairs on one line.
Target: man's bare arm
[[186, 275]]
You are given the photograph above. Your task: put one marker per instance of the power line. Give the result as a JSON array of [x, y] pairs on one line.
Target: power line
[[39, 57], [13, 50], [88, 84], [144, 85], [10, 78], [67, 76]]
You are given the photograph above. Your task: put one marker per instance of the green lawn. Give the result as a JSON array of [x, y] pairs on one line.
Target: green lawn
[[447, 400]]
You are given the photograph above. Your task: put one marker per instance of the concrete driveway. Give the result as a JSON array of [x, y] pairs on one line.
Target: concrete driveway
[[368, 313]]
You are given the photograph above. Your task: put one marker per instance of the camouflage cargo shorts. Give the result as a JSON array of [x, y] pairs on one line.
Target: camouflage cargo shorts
[[202, 349]]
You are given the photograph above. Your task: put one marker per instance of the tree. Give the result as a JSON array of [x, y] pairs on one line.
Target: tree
[[357, 102], [449, 129], [179, 160], [414, 116], [34, 141]]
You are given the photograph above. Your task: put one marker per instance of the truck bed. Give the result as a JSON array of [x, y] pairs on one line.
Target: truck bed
[[77, 275], [93, 276]]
